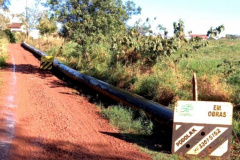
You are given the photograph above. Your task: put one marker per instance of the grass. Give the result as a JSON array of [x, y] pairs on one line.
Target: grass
[[46, 43], [175, 79], [125, 118], [3, 52]]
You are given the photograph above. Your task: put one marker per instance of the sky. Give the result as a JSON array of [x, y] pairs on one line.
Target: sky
[[198, 15], [19, 6]]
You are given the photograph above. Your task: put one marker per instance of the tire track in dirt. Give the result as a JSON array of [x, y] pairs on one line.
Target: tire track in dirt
[[53, 122]]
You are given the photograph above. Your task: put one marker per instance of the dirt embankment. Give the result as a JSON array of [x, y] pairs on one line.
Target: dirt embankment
[[41, 118]]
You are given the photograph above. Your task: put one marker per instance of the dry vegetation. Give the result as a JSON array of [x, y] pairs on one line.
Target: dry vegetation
[[167, 80]]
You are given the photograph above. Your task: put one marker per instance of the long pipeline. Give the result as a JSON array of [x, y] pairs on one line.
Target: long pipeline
[[155, 110]]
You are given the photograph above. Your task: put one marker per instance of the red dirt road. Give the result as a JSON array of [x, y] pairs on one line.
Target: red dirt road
[[41, 118]]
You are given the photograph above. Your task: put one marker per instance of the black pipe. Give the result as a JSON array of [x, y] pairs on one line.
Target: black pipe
[[157, 111]]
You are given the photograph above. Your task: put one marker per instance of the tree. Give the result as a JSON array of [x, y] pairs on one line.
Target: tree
[[88, 21], [46, 26], [145, 28], [214, 32], [34, 15], [179, 29], [31, 18], [4, 21]]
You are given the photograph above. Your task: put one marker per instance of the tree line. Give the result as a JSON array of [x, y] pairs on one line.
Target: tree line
[[91, 21]]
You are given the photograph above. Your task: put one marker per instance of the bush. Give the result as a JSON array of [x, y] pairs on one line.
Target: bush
[[10, 35], [147, 86], [3, 35], [3, 48], [236, 128], [54, 51], [121, 76], [124, 118], [70, 50], [20, 37]]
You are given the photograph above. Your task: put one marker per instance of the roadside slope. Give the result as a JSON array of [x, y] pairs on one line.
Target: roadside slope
[[54, 123]]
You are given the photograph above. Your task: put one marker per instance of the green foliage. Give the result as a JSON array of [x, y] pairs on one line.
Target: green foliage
[[2, 60], [197, 43], [3, 35], [147, 86], [140, 45], [236, 132], [20, 37], [11, 36], [54, 51], [31, 18], [214, 32], [70, 50], [94, 21], [124, 118], [179, 29], [121, 76], [134, 47], [236, 127], [134, 58], [3, 48], [46, 26], [229, 67]]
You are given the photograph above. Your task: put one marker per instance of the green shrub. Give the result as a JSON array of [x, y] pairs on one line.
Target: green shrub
[[20, 37], [235, 78], [3, 48], [70, 50], [54, 51], [3, 35], [236, 127], [124, 118], [121, 76], [2, 60], [236, 121], [10, 35], [147, 86]]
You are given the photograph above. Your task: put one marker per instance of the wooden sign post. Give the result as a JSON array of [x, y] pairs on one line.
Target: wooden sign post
[[202, 128], [195, 88]]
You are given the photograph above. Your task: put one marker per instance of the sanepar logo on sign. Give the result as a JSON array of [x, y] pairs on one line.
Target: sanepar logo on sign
[[202, 128]]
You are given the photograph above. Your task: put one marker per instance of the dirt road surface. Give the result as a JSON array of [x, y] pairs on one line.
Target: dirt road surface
[[41, 118]]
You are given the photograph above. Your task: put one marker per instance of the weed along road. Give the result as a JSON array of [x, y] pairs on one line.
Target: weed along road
[[41, 118]]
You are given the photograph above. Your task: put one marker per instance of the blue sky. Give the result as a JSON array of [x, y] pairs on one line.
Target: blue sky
[[198, 15]]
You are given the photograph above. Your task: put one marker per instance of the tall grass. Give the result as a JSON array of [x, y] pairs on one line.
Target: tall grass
[[45, 43], [125, 119], [3, 51]]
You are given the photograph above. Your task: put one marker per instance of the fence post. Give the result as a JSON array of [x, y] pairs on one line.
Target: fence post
[[195, 92]]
